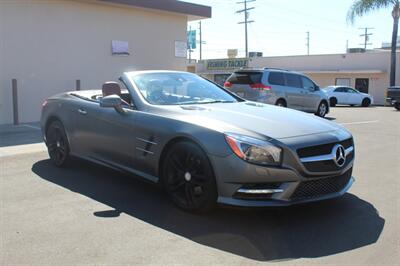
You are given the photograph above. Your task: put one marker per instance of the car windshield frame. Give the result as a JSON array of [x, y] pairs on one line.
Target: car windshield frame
[[139, 83]]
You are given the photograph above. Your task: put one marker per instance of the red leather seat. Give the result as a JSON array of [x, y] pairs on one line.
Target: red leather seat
[[112, 88]]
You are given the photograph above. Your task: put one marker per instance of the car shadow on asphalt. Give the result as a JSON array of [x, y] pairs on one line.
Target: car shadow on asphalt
[[272, 234]]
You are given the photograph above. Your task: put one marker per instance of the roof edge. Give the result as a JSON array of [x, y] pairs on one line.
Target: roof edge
[[194, 11]]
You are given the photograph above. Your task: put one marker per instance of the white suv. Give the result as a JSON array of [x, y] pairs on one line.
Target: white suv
[[280, 87]]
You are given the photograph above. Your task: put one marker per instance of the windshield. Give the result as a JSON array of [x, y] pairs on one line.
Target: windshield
[[179, 88]]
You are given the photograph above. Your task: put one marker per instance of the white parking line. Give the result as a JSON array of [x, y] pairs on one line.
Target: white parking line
[[34, 127], [360, 122]]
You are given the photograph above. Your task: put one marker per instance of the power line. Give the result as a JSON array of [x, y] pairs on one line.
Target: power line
[[366, 37], [246, 21]]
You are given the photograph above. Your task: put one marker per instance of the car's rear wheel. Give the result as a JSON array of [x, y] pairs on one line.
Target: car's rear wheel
[[333, 101], [397, 106], [322, 109], [281, 103], [188, 177], [366, 102], [57, 144]]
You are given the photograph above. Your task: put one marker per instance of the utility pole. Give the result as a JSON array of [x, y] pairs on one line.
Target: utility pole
[[347, 46], [308, 43], [246, 21], [200, 39], [366, 37]]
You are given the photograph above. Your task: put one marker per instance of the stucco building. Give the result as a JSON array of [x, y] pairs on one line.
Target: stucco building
[[47, 45], [368, 72]]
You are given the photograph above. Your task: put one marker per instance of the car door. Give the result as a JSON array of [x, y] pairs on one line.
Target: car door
[[115, 136], [86, 112], [294, 91], [354, 97], [341, 95], [107, 135], [311, 95]]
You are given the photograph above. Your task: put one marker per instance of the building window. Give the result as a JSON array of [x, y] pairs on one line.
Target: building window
[[362, 85], [342, 82]]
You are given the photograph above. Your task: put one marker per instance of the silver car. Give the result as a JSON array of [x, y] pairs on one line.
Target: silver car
[[202, 144], [280, 87]]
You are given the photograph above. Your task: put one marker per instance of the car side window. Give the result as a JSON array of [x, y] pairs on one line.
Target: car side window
[[350, 90], [307, 83], [341, 89], [293, 80], [276, 78]]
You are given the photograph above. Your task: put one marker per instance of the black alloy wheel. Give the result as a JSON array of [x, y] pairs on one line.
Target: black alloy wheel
[[188, 177], [366, 102], [322, 109], [281, 103], [57, 144]]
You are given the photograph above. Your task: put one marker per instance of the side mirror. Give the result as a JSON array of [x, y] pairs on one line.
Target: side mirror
[[113, 101]]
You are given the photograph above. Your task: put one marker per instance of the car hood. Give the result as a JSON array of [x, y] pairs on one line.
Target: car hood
[[249, 117]]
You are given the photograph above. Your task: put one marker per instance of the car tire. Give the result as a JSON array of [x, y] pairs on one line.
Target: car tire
[[57, 144], [397, 106], [322, 109], [366, 102], [333, 101], [281, 103], [188, 178]]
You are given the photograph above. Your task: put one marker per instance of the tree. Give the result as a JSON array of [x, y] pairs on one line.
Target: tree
[[362, 7]]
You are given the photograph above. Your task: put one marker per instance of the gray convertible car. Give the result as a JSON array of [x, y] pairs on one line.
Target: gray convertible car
[[202, 143]]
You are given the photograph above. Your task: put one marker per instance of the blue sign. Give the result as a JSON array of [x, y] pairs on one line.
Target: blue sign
[[191, 39]]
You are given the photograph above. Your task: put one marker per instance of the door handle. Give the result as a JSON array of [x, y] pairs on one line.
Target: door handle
[[82, 111]]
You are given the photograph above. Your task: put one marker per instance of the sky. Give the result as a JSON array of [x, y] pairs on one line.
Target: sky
[[280, 27]]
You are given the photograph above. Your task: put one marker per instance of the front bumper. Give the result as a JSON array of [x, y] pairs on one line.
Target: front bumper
[[277, 200], [248, 185], [392, 101]]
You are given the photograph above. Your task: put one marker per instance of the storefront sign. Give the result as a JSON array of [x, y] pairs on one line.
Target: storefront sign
[[120, 47], [180, 49], [224, 64]]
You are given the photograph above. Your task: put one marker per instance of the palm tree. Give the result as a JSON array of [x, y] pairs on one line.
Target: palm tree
[[362, 7]]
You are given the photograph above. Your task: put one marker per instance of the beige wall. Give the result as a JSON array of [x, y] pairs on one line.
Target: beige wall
[[47, 45]]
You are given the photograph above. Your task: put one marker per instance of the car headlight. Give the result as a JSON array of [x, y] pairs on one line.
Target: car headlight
[[254, 150]]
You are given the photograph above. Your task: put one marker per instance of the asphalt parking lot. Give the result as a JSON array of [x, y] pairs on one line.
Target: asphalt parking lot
[[90, 215]]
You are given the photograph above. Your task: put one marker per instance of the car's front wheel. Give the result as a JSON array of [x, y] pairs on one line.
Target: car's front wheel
[[57, 144], [397, 106], [366, 102], [188, 177], [322, 109], [333, 101]]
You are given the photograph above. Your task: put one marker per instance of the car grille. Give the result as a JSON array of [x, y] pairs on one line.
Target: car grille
[[315, 188], [322, 149], [328, 165]]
